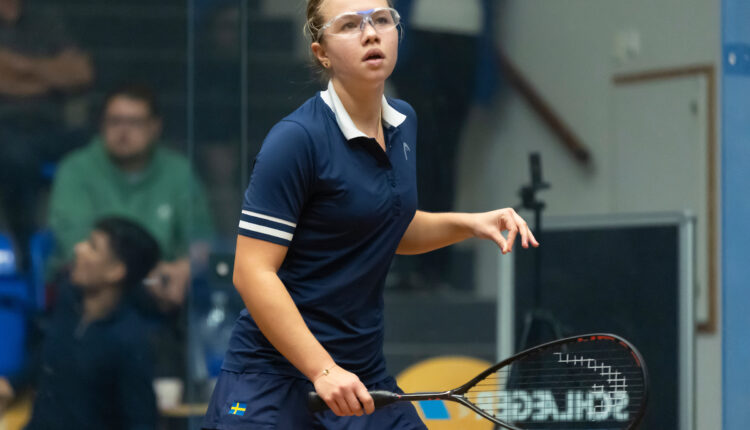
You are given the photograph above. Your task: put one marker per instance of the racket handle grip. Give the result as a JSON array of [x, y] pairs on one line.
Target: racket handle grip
[[381, 398]]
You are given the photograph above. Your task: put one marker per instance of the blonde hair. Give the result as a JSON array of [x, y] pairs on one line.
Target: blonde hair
[[314, 20]]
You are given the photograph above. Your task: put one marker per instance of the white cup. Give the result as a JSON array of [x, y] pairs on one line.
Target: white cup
[[168, 392]]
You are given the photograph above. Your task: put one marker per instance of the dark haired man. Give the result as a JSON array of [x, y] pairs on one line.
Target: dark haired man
[[127, 171], [94, 367]]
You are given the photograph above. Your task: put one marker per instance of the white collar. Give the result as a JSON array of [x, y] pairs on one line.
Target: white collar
[[391, 116]]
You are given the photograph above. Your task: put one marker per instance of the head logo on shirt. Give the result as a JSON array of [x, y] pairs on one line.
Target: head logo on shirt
[[164, 211], [238, 409], [406, 149]]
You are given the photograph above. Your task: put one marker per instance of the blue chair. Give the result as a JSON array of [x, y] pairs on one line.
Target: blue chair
[[41, 246], [13, 310]]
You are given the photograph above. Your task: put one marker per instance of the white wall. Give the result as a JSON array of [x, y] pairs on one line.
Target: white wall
[[565, 48]]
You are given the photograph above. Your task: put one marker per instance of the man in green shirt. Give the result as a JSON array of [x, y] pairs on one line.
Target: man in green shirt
[[127, 172]]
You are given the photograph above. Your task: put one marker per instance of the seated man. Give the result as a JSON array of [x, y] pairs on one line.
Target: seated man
[[94, 367], [127, 171]]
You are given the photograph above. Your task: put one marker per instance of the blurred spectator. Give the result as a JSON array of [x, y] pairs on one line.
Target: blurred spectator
[[39, 65], [94, 367], [126, 171]]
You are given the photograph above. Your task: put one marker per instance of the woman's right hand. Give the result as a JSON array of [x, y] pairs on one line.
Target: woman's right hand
[[344, 393]]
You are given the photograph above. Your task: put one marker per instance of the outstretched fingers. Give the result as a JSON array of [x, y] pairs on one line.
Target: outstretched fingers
[[508, 219], [498, 238], [527, 237]]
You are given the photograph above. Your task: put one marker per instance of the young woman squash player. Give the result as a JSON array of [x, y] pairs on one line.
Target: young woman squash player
[[331, 199]]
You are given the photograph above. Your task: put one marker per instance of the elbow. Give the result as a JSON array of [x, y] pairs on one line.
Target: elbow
[[79, 74], [254, 286], [236, 279], [87, 76], [244, 278], [406, 249]]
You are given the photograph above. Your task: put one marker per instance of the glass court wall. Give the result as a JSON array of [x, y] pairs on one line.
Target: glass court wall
[[223, 72]]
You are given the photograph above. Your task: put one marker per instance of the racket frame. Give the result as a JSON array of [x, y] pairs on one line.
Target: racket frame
[[383, 398], [457, 394]]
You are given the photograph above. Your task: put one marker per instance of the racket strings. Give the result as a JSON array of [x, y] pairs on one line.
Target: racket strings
[[488, 396], [602, 387]]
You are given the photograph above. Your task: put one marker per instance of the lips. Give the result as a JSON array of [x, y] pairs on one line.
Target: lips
[[373, 54]]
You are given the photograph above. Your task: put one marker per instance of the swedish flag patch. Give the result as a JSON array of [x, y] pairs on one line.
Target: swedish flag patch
[[238, 409]]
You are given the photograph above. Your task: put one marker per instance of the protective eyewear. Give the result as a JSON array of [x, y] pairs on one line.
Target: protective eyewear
[[352, 24]]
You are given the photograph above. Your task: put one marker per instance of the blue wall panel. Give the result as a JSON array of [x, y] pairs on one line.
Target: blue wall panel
[[736, 213]]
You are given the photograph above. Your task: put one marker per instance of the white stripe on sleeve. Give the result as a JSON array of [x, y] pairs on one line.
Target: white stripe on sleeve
[[266, 230], [269, 218]]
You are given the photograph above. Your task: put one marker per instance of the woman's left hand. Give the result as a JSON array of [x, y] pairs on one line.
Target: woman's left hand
[[490, 225]]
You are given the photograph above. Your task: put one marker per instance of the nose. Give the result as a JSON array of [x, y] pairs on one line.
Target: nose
[[369, 33], [80, 249]]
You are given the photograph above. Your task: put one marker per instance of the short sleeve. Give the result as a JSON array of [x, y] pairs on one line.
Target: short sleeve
[[283, 175]]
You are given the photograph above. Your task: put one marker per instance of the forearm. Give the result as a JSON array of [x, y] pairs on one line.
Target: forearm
[[16, 85], [430, 231], [168, 284], [68, 70], [278, 318]]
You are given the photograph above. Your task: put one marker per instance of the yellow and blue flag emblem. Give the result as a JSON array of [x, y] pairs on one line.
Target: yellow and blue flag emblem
[[238, 409]]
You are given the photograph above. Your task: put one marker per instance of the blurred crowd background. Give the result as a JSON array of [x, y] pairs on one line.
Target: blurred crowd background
[[132, 111]]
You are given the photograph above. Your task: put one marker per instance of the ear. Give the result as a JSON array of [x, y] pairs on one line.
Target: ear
[[320, 53], [116, 273], [156, 127]]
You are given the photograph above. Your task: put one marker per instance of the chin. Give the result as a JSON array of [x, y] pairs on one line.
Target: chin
[[123, 155], [376, 76], [76, 280]]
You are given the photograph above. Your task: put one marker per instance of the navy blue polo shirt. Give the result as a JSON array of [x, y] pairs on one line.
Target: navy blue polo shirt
[[341, 204]]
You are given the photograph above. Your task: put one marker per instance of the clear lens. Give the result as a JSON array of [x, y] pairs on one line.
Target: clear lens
[[347, 24], [383, 19], [351, 24]]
